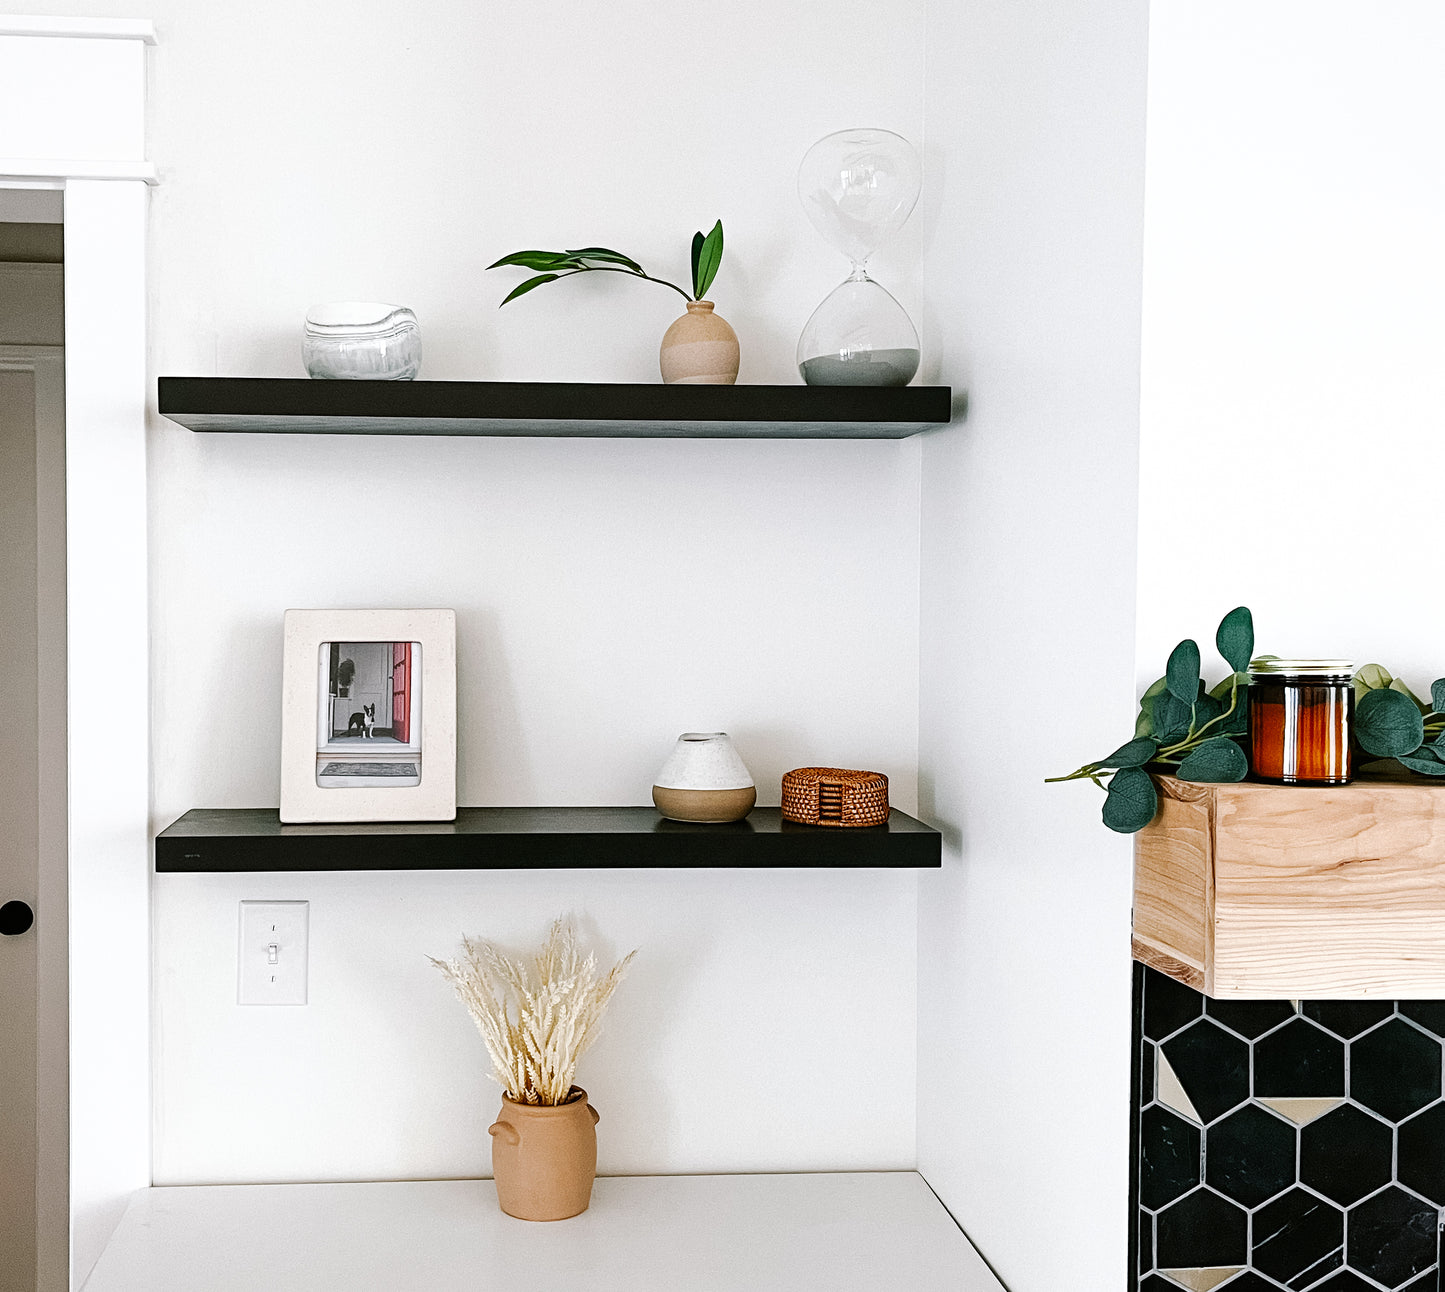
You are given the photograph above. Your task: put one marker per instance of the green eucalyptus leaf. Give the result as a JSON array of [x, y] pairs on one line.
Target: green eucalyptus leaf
[[1388, 724], [1144, 723], [1217, 761], [1399, 685], [1132, 801], [606, 256], [709, 258], [528, 285], [1437, 695], [1235, 638], [1425, 761], [1370, 677], [1171, 719], [1183, 671], [1135, 754], [538, 260]]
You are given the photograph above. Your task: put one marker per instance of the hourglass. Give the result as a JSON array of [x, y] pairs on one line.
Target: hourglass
[[858, 187]]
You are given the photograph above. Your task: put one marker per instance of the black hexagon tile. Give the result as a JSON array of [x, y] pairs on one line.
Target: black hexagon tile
[[1298, 1239], [1212, 1066], [1202, 1229], [1393, 1236], [1347, 1018], [1168, 1157], [1421, 1151], [1430, 1014], [1250, 1155], [1346, 1155], [1299, 1061], [1250, 1018], [1287, 1147], [1168, 1005], [1395, 1070], [1345, 1281]]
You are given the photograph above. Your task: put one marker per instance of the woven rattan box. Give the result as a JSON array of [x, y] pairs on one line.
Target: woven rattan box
[[835, 796]]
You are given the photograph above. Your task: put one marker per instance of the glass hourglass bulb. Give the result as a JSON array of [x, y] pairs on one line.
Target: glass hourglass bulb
[[858, 187]]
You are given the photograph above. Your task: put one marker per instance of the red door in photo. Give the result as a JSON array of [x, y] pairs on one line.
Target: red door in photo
[[401, 691]]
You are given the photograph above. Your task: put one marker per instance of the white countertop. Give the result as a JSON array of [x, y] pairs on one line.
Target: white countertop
[[710, 1233]]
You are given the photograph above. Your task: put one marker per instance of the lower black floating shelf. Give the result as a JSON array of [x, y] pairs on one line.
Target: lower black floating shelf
[[217, 840]]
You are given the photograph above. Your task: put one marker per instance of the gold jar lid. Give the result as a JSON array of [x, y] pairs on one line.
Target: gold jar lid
[[1301, 668]]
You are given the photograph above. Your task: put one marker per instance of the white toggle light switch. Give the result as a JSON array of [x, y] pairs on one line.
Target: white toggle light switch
[[273, 953]]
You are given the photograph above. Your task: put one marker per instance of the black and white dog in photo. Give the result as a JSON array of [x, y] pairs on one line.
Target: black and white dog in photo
[[363, 722]]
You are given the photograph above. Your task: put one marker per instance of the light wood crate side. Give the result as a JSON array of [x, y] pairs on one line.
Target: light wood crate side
[[1173, 884], [1325, 892]]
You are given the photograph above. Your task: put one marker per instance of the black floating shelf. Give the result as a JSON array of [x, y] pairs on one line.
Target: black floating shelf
[[516, 838], [300, 405]]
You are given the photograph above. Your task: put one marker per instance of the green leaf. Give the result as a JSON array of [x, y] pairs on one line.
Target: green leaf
[[1171, 719], [1132, 801], [606, 256], [1183, 672], [709, 258], [1388, 724], [1135, 754], [697, 241], [538, 260], [1370, 678], [1216, 761], [1235, 638], [1144, 723], [1399, 685], [1425, 761], [1437, 695], [528, 285]]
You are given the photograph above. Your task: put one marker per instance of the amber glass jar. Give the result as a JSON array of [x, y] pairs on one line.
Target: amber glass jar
[[1301, 713]]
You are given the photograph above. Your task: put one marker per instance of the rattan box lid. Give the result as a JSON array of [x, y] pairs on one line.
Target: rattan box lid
[[835, 796]]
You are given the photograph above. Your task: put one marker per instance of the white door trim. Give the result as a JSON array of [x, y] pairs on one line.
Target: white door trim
[[46, 363], [92, 74]]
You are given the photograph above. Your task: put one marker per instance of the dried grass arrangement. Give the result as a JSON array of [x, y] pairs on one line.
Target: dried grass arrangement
[[537, 1019]]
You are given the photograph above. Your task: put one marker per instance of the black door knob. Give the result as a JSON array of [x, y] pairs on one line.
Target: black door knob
[[15, 917]]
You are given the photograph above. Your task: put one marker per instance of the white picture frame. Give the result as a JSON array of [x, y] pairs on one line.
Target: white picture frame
[[312, 741]]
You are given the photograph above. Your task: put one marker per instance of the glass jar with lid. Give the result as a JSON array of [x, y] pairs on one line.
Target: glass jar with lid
[[1301, 719]]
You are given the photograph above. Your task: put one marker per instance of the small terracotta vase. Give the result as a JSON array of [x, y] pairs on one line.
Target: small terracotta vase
[[699, 349], [545, 1159]]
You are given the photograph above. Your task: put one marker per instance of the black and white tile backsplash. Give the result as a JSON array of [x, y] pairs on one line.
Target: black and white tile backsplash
[[1292, 1145]]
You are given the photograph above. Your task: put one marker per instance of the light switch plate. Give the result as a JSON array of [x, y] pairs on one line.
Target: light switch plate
[[273, 953]]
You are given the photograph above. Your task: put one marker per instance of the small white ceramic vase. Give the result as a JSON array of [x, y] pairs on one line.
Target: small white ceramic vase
[[704, 780]]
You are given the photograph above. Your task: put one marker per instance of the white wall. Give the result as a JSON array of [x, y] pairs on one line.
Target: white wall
[[609, 595], [1035, 148], [1293, 331]]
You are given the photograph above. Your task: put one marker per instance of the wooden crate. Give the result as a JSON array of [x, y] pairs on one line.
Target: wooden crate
[[1263, 891]]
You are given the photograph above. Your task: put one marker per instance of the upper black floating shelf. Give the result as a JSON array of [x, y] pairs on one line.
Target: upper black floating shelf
[[565, 838], [300, 405]]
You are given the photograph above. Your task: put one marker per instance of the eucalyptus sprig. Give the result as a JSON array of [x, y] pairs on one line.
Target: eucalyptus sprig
[[1391, 721], [707, 253], [1195, 733]]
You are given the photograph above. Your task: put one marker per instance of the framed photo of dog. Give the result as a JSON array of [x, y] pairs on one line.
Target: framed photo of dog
[[369, 716]]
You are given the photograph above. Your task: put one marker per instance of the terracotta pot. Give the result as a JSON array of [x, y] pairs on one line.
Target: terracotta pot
[[544, 1159], [699, 349]]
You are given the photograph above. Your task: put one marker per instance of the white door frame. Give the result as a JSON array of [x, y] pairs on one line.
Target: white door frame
[[81, 85]]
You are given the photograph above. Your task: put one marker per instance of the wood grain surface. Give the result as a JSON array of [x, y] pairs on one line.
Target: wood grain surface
[[1267, 891]]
